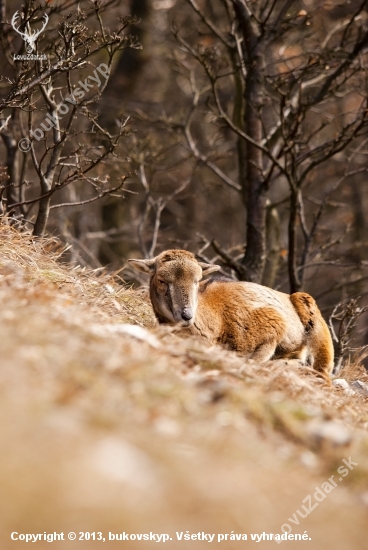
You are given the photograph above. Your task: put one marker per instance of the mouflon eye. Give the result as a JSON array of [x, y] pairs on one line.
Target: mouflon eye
[[162, 282]]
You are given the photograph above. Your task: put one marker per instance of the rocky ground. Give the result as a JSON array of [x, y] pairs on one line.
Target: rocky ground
[[112, 424]]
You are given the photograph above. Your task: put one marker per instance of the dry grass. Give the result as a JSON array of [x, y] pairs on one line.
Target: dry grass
[[103, 431], [36, 262]]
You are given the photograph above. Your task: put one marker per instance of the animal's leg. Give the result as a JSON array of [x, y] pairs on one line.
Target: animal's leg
[[320, 343], [264, 352], [301, 354], [266, 329], [318, 336]]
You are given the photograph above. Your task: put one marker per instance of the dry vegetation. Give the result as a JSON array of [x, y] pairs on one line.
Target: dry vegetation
[[102, 430]]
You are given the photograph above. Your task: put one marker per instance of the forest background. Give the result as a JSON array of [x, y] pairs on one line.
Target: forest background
[[236, 129]]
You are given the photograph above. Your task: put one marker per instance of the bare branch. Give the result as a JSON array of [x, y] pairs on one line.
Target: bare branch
[[210, 24]]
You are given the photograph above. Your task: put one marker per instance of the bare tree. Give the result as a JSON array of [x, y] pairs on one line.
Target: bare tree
[[275, 85], [50, 127], [345, 317]]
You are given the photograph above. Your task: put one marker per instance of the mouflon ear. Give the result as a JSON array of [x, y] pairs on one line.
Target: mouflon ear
[[208, 268], [147, 266]]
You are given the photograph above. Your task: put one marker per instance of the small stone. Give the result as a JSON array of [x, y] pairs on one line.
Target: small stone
[[123, 328], [330, 433], [109, 288], [360, 387], [309, 459], [343, 384]]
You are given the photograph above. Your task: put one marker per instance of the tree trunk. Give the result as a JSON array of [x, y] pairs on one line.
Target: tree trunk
[[12, 165], [253, 188], [294, 278], [42, 217], [12, 160], [273, 247]]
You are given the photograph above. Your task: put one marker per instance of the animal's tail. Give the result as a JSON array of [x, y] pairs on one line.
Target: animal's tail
[[318, 336]]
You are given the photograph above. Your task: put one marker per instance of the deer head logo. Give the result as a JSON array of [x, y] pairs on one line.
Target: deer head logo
[[29, 36]]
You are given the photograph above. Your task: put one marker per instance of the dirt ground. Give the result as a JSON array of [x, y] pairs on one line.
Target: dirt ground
[[111, 424]]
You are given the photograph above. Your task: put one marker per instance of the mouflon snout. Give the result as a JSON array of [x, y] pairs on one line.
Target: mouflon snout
[[187, 314]]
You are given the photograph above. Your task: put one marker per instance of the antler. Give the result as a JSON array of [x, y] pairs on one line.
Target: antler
[[35, 34], [13, 22]]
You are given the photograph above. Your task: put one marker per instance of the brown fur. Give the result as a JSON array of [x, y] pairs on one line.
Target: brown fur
[[258, 322]]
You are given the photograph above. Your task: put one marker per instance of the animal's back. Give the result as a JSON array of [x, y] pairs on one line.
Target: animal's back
[[238, 302], [252, 296]]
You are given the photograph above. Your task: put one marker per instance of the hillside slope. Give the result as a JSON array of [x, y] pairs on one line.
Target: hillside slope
[[105, 431]]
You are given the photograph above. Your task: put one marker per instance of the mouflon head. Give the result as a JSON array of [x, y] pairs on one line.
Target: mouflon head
[[174, 281]]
